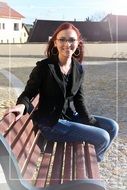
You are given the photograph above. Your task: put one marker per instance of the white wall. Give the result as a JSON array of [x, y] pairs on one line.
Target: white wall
[[109, 50], [104, 50], [8, 35], [24, 35]]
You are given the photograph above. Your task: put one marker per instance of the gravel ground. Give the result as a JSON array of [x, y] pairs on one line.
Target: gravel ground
[[106, 95]]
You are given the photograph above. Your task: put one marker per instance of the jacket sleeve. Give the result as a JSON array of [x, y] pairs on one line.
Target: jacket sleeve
[[81, 108], [31, 88]]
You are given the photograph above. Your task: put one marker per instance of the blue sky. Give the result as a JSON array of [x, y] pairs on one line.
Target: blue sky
[[67, 9]]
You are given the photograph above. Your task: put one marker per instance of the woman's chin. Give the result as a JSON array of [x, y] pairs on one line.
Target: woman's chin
[[67, 55]]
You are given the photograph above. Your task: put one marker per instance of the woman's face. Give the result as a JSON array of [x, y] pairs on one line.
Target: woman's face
[[66, 42]]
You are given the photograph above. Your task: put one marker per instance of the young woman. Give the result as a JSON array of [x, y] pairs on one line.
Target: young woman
[[62, 114]]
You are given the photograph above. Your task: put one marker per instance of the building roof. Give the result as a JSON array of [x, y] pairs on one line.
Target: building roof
[[91, 31], [29, 27], [115, 18], [8, 12]]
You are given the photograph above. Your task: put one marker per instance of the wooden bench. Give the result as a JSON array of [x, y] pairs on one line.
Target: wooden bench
[[30, 162]]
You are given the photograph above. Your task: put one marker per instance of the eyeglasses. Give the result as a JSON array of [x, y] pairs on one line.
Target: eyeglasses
[[64, 40]]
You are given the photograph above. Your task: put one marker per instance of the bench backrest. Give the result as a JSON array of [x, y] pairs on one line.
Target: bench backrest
[[22, 138]]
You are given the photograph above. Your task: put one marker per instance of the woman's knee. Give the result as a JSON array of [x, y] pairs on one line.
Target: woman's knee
[[109, 125], [104, 138], [115, 127]]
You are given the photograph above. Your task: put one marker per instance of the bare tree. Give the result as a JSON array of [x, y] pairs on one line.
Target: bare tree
[[98, 16], [88, 19]]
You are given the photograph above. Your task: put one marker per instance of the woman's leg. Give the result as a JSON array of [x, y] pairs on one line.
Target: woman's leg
[[109, 125], [72, 131]]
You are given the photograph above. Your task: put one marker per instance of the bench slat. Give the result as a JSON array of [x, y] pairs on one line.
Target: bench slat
[[30, 153], [24, 153], [45, 165], [91, 161], [67, 175], [7, 123], [18, 136], [32, 165], [12, 133], [22, 145], [79, 161], [57, 165]]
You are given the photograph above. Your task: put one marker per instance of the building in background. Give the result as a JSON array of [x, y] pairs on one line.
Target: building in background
[[91, 31], [12, 29], [117, 27], [111, 28]]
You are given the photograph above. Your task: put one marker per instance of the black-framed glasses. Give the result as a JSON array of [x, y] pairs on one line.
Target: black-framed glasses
[[64, 40]]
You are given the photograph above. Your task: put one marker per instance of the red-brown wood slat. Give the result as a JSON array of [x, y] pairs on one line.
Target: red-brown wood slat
[[21, 127], [57, 165], [30, 153], [12, 133], [22, 133], [6, 123], [32, 164], [23, 147], [68, 163], [20, 147], [12, 128], [79, 161], [26, 136], [45, 165], [91, 162]]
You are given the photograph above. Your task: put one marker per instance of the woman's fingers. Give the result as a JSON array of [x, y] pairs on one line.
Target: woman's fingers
[[18, 116], [17, 110]]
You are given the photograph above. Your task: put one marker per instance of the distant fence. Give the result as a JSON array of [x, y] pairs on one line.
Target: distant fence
[[104, 50]]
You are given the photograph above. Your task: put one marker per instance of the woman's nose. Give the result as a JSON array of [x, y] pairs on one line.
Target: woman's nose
[[67, 42]]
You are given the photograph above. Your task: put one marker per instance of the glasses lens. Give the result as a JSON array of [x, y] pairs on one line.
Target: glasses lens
[[71, 40], [64, 40]]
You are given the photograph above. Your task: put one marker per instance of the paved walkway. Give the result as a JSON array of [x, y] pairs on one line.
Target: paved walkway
[[17, 84]]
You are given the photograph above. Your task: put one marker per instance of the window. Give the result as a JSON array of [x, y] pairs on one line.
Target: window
[[16, 26], [3, 26]]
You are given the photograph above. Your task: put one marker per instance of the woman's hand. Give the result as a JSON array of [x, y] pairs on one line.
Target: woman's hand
[[18, 110]]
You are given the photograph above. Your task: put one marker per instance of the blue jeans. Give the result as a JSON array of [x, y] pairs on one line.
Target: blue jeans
[[101, 137]]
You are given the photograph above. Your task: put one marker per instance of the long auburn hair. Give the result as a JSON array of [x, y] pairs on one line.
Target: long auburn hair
[[64, 26]]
